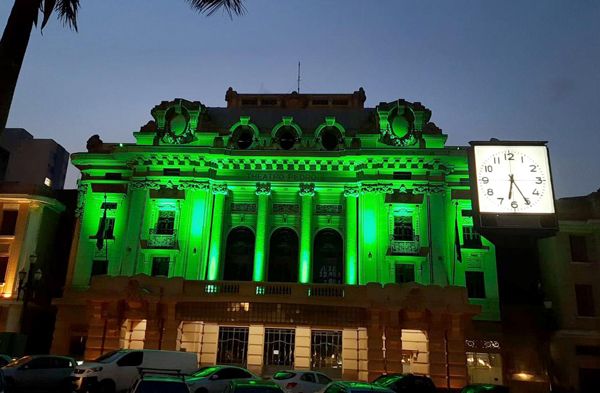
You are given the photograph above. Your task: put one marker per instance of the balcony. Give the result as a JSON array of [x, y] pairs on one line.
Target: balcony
[[156, 239], [405, 247]]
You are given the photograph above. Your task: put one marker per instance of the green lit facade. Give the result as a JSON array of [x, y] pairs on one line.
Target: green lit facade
[[303, 190]]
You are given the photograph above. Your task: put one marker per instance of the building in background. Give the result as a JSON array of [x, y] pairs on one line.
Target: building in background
[[284, 231], [570, 265], [31, 160]]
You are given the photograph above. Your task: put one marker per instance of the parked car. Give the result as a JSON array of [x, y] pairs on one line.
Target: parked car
[[215, 379], [484, 388], [301, 381], [160, 381], [252, 386], [39, 373], [2, 383], [409, 383], [117, 371], [355, 387]]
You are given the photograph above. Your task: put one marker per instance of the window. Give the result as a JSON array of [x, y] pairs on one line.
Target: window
[[475, 285], [9, 222], [233, 373], [405, 273], [233, 345], [40, 363], [166, 222], [323, 379], [578, 248], [279, 349], [403, 228], [3, 266], [61, 363], [99, 267], [326, 352], [160, 266], [132, 359], [471, 238], [584, 296], [308, 377]]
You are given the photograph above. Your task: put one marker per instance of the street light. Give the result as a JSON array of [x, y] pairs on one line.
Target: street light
[[33, 277]]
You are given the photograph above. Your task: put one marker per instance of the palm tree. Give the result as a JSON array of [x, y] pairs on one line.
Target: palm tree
[[24, 16]]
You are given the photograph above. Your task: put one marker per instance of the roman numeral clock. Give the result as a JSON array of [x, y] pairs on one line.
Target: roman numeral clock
[[512, 188]]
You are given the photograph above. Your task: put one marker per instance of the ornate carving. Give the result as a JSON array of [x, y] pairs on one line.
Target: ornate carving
[[193, 185], [243, 207], [220, 189], [377, 188], [429, 188], [285, 208], [81, 191], [307, 189], [328, 209], [144, 184], [351, 191], [263, 188]]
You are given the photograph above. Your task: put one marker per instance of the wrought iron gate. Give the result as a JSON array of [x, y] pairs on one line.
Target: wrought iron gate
[[326, 352], [233, 345]]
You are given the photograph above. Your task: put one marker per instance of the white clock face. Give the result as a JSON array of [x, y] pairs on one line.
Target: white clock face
[[513, 179]]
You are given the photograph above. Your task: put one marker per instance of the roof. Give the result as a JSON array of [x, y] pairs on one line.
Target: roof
[[362, 386]]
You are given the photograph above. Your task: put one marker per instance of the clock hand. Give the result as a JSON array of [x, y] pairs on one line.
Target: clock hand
[[520, 192], [511, 185]]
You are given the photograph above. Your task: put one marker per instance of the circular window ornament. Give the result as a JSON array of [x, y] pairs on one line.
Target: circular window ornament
[[178, 124], [178, 130], [287, 137], [243, 137]]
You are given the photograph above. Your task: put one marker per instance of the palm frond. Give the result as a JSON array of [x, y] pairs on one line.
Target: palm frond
[[67, 12], [46, 9], [209, 7]]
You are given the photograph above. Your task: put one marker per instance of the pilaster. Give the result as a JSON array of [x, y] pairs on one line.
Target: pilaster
[[137, 205], [263, 192], [351, 225], [307, 191], [220, 192]]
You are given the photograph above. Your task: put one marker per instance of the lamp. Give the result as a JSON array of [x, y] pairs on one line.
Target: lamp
[[37, 275], [22, 275]]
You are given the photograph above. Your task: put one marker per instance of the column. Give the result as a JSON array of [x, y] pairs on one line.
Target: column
[[137, 206], [216, 233], [198, 202], [307, 191], [351, 269], [263, 191]]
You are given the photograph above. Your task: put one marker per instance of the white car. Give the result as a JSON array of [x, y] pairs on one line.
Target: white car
[[301, 381], [215, 379]]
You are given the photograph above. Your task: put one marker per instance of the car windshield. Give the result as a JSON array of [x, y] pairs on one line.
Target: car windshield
[[108, 357], [205, 371], [161, 387], [19, 362]]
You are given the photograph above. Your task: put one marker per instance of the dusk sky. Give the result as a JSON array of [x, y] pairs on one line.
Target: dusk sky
[[514, 70]]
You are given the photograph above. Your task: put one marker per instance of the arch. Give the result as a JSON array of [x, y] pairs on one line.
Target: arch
[[283, 256], [330, 134], [239, 255], [243, 126], [328, 257], [288, 126]]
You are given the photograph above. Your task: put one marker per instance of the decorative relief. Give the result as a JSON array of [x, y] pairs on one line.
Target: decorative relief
[[429, 188], [351, 191], [285, 208], [328, 209], [263, 188], [144, 184], [307, 189], [82, 189], [220, 189], [377, 188], [193, 185], [243, 207]]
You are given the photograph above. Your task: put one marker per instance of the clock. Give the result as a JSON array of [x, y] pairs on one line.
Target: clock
[[513, 179]]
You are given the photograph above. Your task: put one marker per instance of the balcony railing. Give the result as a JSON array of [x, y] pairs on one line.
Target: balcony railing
[[405, 247], [162, 240]]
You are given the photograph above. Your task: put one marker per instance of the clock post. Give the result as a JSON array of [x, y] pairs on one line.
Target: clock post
[[513, 206]]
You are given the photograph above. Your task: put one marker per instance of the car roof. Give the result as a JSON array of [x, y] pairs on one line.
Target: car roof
[[163, 378], [253, 383], [362, 386]]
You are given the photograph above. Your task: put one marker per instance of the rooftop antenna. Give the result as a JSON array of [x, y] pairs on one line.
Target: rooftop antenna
[[299, 78]]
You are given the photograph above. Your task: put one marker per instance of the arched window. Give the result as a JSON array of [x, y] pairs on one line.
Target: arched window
[[242, 138], [283, 256], [287, 137], [331, 138], [328, 257], [239, 255]]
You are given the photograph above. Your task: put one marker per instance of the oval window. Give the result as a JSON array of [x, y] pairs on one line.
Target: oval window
[[287, 137], [331, 138], [178, 124], [244, 138]]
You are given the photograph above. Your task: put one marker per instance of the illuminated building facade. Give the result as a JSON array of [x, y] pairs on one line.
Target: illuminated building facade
[[282, 231], [571, 279]]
